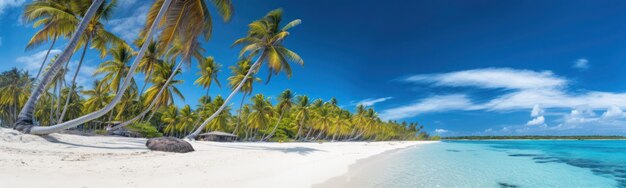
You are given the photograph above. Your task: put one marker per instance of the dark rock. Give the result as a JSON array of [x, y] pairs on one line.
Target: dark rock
[[507, 185], [169, 144]]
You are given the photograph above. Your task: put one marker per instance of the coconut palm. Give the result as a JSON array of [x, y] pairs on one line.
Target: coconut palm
[[148, 63], [25, 118], [186, 118], [261, 114], [239, 75], [170, 118], [221, 122], [208, 73], [56, 18], [14, 91], [115, 69], [285, 102], [264, 40], [302, 112], [323, 120], [161, 93], [95, 33], [154, 20]]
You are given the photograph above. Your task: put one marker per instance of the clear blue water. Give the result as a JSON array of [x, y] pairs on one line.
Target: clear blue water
[[519, 163]]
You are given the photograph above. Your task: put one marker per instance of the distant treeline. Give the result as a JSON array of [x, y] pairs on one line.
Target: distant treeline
[[591, 137]]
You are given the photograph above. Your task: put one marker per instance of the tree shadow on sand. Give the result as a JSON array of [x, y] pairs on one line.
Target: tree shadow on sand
[[298, 150], [55, 140]]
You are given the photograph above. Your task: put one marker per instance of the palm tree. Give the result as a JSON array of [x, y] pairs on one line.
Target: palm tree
[[170, 118], [161, 93], [14, 90], [154, 20], [285, 102], [261, 115], [25, 118], [116, 68], [96, 34], [221, 122], [239, 75], [149, 62], [208, 73], [57, 19], [186, 118], [265, 40], [323, 120], [301, 112]]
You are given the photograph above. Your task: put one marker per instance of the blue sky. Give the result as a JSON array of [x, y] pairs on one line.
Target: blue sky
[[457, 67]]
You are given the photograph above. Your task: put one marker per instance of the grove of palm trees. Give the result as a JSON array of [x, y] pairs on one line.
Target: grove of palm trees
[[172, 39]]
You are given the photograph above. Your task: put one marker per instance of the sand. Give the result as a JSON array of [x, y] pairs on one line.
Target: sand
[[68, 161]]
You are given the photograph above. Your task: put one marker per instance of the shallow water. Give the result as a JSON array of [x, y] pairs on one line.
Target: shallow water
[[549, 163]]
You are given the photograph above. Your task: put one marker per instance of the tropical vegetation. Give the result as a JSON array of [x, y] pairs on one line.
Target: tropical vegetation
[[171, 39]]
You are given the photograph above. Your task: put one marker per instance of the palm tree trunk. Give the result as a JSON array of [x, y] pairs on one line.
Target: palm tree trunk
[[300, 127], [275, 126], [256, 64], [43, 64], [25, 118], [239, 118], [308, 133], [319, 134], [145, 82], [154, 101], [25, 123], [73, 83]]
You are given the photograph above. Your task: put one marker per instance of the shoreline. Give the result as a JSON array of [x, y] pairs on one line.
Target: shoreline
[[361, 164], [106, 161]]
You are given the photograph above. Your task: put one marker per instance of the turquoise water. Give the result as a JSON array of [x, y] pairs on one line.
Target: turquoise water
[[553, 163]]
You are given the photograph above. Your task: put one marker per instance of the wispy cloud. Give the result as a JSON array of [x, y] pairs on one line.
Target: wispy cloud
[[5, 4], [128, 28], [432, 104], [537, 91], [440, 131], [372, 101], [492, 78], [32, 62], [581, 64]]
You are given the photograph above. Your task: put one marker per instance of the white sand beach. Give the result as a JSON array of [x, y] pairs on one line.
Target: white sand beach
[[62, 160]]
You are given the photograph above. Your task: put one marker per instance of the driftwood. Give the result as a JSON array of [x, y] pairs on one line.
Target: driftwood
[[169, 144]]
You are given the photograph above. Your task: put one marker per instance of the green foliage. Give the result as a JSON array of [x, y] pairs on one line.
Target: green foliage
[[146, 129]]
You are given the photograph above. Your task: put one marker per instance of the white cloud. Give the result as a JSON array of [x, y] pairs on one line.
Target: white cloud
[[32, 62], [581, 64], [432, 104], [440, 131], [613, 112], [492, 78], [537, 121], [525, 90], [4, 4], [128, 28], [371, 101], [537, 111]]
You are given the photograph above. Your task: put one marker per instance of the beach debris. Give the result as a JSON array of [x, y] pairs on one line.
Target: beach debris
[[169, 144]]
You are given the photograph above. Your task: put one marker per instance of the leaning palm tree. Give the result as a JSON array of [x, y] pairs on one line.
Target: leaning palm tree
[[239, 75], [149, 62], [221, 122], [285, 102], [14, 90], [25, 117], [57, 20], [161, 93], [208, 74], [25, 122], [98, 36], [170, 118], [265, 41]]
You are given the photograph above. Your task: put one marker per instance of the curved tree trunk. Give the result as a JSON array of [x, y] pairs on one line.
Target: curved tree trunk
[[308, 133], [151, 103], [73, 83], [145, 82], [43, 64], [25, 118], [275, 126], [256, 64], [25, 123]]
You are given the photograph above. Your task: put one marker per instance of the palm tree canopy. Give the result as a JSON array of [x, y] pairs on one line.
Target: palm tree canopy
[[208, 73]]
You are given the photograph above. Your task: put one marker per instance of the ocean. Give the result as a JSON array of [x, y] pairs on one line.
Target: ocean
[[500, 164]]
